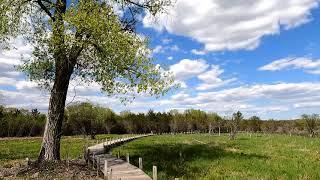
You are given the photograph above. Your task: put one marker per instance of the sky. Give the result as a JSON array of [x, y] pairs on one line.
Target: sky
[[261, 57]]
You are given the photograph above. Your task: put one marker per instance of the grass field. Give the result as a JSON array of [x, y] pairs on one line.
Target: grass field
[[213, 157], [13, 150], [200, 156]]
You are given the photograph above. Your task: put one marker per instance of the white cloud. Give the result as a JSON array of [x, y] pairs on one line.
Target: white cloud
[[166, 41], [11, 58], [207, 86], [231, 25], [170, 58], [309, 65], [174, 48], [198, 52], [274, 97], [5, 81], [317, 71], [158, 49], [212, 78], [187, 68], [180, 96], [307, 105]]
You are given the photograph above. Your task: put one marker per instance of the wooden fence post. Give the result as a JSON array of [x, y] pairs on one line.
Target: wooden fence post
[[105, 169], [98, 165], [140, 163], [128, 158], [154, 173], [110, 175]]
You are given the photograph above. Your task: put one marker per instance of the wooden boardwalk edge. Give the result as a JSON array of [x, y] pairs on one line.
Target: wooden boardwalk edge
[[114, 168]]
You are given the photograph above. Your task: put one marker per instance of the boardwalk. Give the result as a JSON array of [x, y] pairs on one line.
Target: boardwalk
[[116, 168]]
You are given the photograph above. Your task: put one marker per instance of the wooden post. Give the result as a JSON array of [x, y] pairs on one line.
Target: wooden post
[[128, 158], [86, 151], [105, 169], [154, 172], [98, 165], [110, 175], [119, 154], [140, 163], [93, 158]]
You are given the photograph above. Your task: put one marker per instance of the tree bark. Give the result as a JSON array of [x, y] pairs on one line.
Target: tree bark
[[50, 149]]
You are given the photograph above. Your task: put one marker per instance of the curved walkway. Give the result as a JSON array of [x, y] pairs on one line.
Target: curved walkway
[[114, 168]]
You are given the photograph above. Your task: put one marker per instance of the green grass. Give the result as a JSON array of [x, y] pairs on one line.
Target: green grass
[[213, 157], [198, 156], [18, 149]]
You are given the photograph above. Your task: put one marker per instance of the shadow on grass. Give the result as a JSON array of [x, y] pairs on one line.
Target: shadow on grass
[[180, 159]]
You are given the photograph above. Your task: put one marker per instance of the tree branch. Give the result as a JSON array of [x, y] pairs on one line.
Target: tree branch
[[45, 9]]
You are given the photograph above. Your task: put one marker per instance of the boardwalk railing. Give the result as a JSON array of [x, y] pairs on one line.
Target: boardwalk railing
[[112, 167], [105, 146]]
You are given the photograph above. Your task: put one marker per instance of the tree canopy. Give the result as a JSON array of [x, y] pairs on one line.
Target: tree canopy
[[102, 44]]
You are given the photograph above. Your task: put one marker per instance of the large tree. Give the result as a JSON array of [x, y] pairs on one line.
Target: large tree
[[91, 40]]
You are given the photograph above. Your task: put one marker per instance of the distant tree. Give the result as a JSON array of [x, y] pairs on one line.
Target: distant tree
[[311, 123], [82, 117], [174, 123], [234, 124], [254, 124], [214, 120], [106, 117], [196, 119]]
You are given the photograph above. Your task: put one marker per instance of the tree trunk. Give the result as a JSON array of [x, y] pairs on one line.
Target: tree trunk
[[50, 148]]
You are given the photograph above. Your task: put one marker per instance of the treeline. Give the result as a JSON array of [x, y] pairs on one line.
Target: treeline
[[88, 119], [21, 122]]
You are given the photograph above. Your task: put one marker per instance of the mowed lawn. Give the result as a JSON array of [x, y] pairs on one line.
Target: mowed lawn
[[198, 156], [213, 157]]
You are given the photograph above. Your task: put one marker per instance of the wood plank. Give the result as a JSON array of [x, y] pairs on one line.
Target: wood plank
[[120, 168]]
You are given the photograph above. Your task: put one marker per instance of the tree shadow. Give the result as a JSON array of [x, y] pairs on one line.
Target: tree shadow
[[174, 160]]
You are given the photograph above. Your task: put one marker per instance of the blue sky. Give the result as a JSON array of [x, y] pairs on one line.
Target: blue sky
[[260, 57]]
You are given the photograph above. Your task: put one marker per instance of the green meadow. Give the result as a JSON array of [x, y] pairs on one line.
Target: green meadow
[[213, 157], [197, 156]]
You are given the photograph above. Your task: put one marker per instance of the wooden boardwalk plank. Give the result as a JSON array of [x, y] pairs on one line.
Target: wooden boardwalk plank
[[120, 168]]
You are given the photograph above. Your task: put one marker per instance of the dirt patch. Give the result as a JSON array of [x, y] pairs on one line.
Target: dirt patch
[[75, 169]]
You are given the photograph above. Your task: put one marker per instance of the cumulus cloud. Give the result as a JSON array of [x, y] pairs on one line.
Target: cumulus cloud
[[188, 68], [200, 69], [11, 58], [232, 25], [276, 97], [309, 65], [211, 78]]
